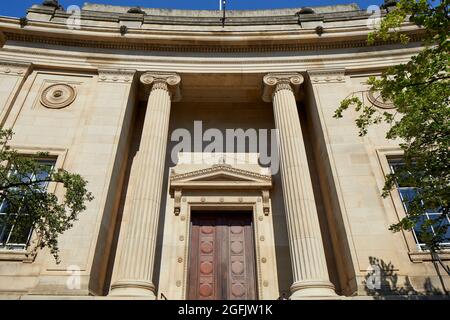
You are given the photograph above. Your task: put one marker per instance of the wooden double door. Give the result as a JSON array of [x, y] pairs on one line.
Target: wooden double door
[[222, 257]]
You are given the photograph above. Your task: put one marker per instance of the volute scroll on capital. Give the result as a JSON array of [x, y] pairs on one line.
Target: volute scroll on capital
[[279, 81], [166, 81]]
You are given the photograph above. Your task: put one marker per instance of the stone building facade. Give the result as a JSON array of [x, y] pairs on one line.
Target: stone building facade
[[109, 91]]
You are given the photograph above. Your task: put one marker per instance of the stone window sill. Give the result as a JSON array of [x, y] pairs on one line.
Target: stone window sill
[[420, 256], [16, 255]]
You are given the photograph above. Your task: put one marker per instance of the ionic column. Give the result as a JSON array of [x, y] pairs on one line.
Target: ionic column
[[135, 265], [305, 241]]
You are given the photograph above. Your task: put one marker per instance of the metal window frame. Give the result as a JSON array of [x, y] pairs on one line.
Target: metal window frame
[[420, 245], [23, 246]]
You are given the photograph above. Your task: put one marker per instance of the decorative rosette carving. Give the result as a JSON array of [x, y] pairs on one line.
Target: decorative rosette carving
[[58, 96], [377, 100]]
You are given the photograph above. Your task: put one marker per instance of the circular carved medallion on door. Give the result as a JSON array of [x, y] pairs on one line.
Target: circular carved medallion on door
[[205, 290], [237, 290], [237, 267], [237, 247], [207, 229], [206, 247], [236, 229], [58, 96], [206, 267]]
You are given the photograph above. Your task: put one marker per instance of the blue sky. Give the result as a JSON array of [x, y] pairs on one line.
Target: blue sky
[[17, 8]]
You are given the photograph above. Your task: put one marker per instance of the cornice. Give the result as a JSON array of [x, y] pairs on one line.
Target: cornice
[[206, 41], [219, 168], [353, 61]]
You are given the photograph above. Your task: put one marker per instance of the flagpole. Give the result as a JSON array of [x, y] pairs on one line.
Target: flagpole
[[223, 8]]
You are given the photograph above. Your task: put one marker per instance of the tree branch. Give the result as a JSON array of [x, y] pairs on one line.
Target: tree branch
[[27, 184]]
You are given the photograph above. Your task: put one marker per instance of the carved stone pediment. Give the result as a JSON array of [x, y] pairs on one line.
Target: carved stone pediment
[[220, 177]]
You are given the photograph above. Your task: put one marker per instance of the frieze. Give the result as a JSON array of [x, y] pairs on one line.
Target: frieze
[[327, 76], [15, 68], [116, 75], [282, 47]]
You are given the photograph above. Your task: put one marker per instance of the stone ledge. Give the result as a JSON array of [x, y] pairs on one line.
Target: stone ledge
[[420, 256], [16, 255]]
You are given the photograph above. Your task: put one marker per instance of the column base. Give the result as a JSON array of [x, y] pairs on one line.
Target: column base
[[133, 288], [312, 289]]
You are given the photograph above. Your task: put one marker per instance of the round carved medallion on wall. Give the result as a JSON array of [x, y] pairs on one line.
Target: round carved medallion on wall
[[58, 96], [377, 100]]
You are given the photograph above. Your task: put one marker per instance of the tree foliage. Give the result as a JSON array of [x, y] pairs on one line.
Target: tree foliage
[[420, 92], [26, 204]]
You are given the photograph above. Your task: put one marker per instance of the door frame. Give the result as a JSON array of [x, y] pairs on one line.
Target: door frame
[[220, 187]]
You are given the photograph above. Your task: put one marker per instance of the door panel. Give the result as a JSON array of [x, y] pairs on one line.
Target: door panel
[[222, 259], [203, 257]]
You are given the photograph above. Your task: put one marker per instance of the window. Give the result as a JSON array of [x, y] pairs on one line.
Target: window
[[406, 195], [10, 237]]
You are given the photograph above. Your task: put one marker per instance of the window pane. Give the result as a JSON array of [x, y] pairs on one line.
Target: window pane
[[44, 174], [443, 224], [4, 233], [17, 235], [4, 207], [418, 228], [407, 194], [447, 234]]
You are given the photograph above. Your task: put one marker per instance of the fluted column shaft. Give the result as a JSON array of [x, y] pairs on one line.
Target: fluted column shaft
[[136, 261], [307, 253]]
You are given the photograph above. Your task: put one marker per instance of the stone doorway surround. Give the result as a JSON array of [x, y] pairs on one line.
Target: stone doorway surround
[[221, 187]]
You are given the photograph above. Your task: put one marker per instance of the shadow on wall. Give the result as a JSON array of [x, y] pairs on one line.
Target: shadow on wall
[[382, 282]]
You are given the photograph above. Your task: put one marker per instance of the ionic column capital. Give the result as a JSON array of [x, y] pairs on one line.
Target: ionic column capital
[[166, 81], [281, 81]]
